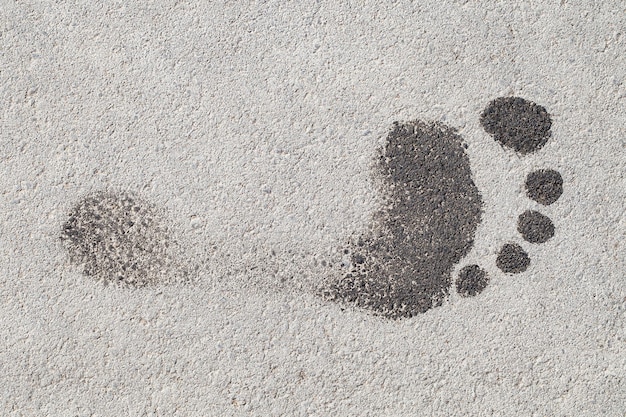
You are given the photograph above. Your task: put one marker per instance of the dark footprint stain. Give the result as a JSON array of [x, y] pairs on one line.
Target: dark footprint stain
[[544, 186], [431, 211], [535, 227], [472, 281], [403, 267], [517, 123], [512, 259], [119, 238]]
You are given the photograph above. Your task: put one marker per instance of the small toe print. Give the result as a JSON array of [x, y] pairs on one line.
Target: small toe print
[[517, 123], [535, 227], [544, 186], [512, 259], [472, 281]]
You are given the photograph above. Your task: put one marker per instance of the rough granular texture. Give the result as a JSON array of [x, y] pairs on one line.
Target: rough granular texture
[[403, 267], [472, 281], [517, 123], [118, 238], [512, 259], [545, 186], [535, 227]]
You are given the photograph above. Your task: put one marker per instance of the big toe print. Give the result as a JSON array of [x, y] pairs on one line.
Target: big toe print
[[432, 211], [517, 123]]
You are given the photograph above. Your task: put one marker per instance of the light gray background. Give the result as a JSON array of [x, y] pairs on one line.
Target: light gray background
[[253, 126]]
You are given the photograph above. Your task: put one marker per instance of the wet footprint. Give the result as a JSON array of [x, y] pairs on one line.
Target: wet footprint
[[403, 266], [119, 238]]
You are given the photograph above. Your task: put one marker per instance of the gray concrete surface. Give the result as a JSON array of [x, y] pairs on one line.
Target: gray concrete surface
[[251, 130]]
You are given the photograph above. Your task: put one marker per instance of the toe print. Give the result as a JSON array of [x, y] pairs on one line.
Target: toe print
[[544, 186], [512, 259], [517, 123], [118, 238], [471, 281], [535, 227], [404, 266]]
